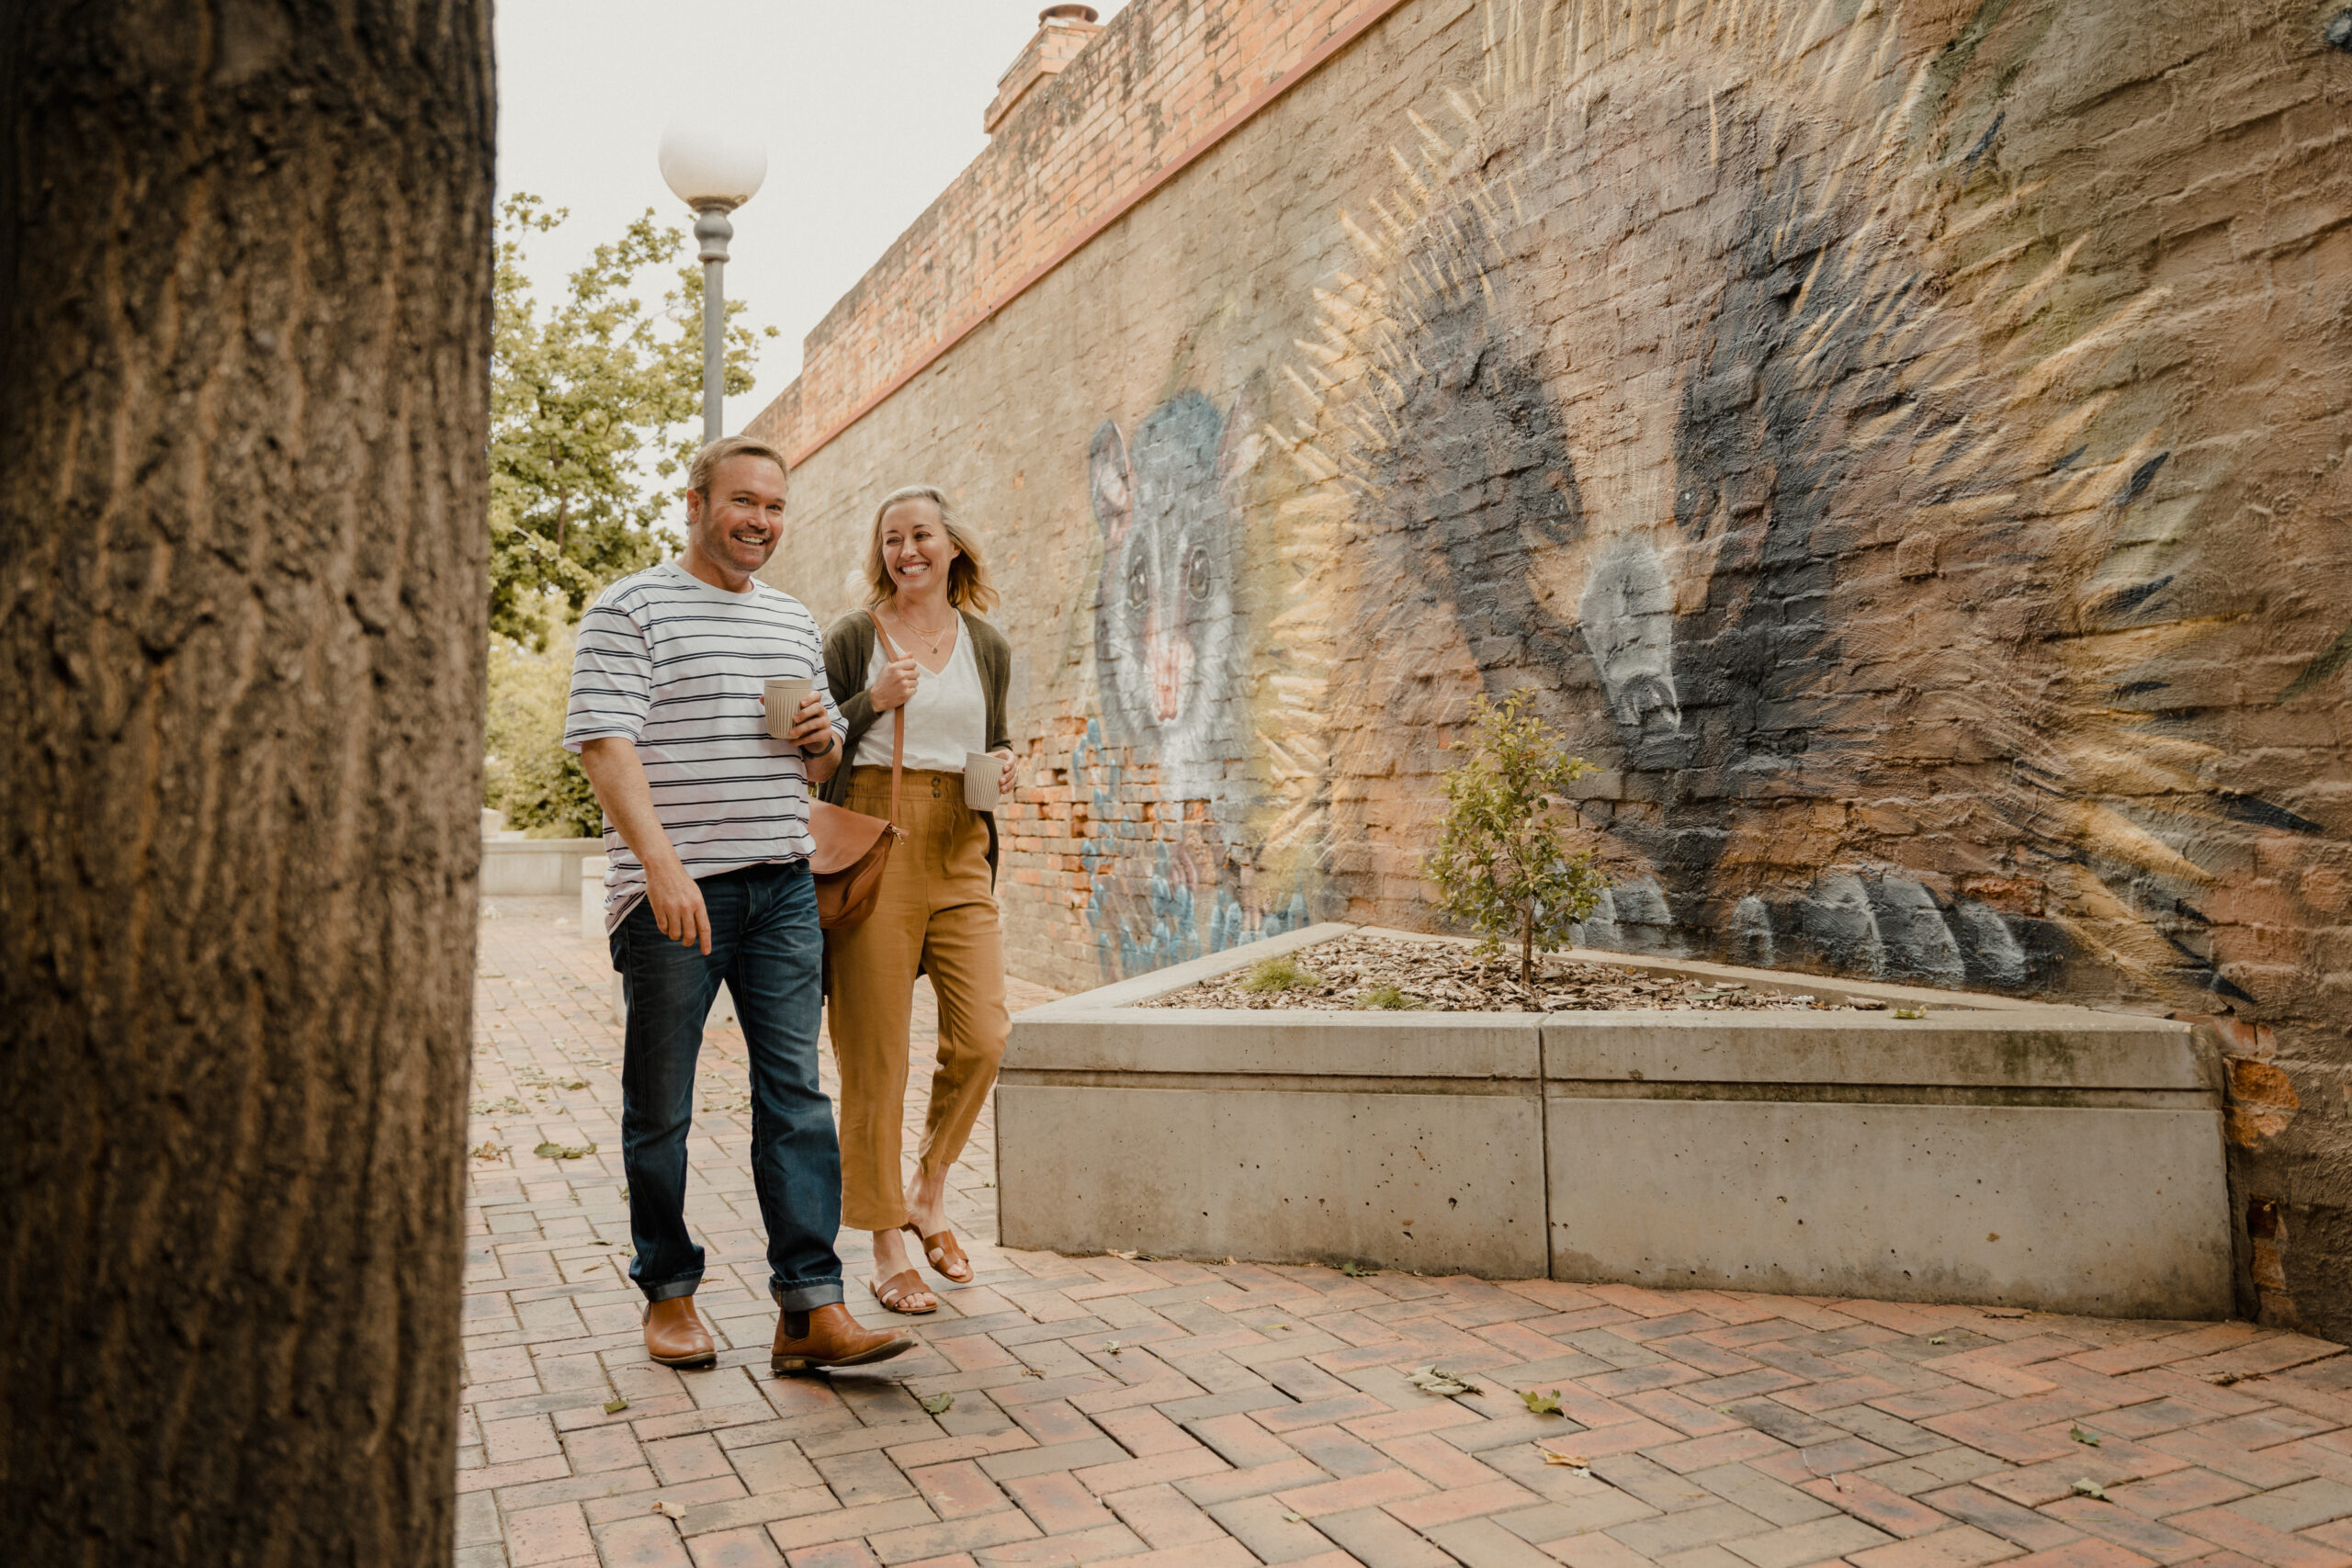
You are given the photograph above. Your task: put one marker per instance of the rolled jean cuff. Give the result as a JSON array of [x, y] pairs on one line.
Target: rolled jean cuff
[[670, 1290], [804, 1298]]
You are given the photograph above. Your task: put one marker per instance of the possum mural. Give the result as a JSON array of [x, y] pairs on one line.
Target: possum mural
[[1713, 376], [1173, 656], [1169, 638]]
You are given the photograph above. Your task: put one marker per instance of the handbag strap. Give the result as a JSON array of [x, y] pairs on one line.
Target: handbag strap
[[898, 722]]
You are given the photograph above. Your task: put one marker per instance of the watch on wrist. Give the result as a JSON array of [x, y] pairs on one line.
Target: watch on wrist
[[832, 741]]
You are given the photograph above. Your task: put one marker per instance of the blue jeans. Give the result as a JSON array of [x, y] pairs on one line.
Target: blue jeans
[[766, 946]]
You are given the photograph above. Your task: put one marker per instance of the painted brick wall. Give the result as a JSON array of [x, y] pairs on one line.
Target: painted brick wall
[[1903, 445]]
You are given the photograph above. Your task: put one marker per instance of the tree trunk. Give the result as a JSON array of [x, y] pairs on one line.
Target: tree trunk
[[245, 328]]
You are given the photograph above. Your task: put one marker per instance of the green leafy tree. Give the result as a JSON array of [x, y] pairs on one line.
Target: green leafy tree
[[1506, 863], [528, 774], [586, 399]]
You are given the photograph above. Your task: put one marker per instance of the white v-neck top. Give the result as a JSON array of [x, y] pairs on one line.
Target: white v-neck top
[[947, 717]]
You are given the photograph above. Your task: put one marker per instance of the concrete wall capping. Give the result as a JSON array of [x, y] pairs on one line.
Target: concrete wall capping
[[1973, 1040]]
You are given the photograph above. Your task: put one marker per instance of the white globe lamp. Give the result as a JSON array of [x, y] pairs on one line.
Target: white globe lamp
[[708, 167]]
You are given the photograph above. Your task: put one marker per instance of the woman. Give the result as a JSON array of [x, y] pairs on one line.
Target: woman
[[936, 913]]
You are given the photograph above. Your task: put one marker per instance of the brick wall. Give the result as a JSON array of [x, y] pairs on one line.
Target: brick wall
[[1903, 447], [1159, 78]]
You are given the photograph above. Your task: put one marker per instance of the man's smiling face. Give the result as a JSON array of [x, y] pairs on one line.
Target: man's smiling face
[[737, 526]]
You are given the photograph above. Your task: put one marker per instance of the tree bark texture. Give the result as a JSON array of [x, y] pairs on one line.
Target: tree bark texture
[[244, 329]]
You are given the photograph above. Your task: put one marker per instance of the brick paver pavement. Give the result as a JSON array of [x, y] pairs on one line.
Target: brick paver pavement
[[1071, 1409]]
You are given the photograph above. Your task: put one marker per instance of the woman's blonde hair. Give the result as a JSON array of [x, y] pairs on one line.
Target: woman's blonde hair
[[968, 575]]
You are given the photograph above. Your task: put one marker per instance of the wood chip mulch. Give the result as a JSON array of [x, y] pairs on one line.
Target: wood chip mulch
[[1346, 973]]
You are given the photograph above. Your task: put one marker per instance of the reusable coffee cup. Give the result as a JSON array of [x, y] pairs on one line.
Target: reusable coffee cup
[[784, 695], [981, 771]]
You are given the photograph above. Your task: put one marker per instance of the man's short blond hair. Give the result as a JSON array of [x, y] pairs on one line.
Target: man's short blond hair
[[706, 461]]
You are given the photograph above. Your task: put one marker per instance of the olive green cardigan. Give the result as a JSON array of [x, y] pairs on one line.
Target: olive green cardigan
[[849, 654]]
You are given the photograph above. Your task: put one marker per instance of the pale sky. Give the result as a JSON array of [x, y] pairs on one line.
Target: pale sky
[[868, 107]]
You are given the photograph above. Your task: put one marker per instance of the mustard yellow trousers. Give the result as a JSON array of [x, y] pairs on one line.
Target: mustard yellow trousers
[[936, 913]]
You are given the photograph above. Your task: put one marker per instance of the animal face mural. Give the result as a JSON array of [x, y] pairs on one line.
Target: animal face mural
[[1173, 658], [1169, 636]]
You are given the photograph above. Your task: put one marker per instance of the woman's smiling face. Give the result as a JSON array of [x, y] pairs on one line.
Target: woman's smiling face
[[915, 547]]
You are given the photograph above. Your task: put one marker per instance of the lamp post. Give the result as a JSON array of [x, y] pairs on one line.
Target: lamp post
[[714, 172]]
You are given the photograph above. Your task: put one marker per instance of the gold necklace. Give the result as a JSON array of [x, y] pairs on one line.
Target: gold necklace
[[930, 639]]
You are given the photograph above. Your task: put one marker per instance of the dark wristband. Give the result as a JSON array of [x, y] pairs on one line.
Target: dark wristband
[[832, 741]]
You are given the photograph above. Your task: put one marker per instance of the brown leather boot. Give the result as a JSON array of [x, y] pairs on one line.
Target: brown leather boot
[[676, 1336], [829, 1337]]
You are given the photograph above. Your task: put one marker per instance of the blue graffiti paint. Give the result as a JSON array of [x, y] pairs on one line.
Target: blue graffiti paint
[[1992, 954], [1751, 933], [1631, 916], [1916, 942], [1838, 919]]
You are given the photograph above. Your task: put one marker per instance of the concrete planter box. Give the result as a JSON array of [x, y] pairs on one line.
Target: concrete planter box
[[1996, 1151], [534, 868]]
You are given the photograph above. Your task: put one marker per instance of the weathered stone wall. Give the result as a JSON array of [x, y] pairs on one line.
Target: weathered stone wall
[[1904, 444]]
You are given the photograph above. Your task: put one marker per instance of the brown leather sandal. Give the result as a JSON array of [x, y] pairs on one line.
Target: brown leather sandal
[[945, 1253], [892, 1292]]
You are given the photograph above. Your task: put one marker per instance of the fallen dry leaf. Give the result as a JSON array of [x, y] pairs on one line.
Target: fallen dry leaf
[[938, 1403], [1434, 1381], [614, 1406], [2089, 1488], [1545, 1404], [670, 1510]]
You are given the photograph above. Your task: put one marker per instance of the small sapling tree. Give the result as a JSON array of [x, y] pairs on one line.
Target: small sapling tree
[[1505, 864]]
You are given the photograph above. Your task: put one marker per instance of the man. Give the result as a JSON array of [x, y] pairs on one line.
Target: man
[[706, 828]]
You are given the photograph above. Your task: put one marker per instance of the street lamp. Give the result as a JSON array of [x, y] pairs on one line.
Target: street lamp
[[714, 172]]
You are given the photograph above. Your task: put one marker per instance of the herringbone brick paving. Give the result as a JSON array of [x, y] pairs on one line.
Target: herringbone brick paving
[[1163, 1412]]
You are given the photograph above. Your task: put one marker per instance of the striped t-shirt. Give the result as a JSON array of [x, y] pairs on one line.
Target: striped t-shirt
[[676, 666]]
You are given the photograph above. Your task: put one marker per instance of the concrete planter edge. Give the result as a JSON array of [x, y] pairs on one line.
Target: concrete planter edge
[[1998, 1150]]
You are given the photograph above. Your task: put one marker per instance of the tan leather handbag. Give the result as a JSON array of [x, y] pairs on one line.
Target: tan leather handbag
[[850, 849]]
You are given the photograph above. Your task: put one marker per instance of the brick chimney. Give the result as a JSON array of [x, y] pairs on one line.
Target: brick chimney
[[1062, 31]]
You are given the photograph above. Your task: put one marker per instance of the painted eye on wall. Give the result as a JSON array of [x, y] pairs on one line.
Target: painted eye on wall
[[1138, 586], [1196, 572]]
